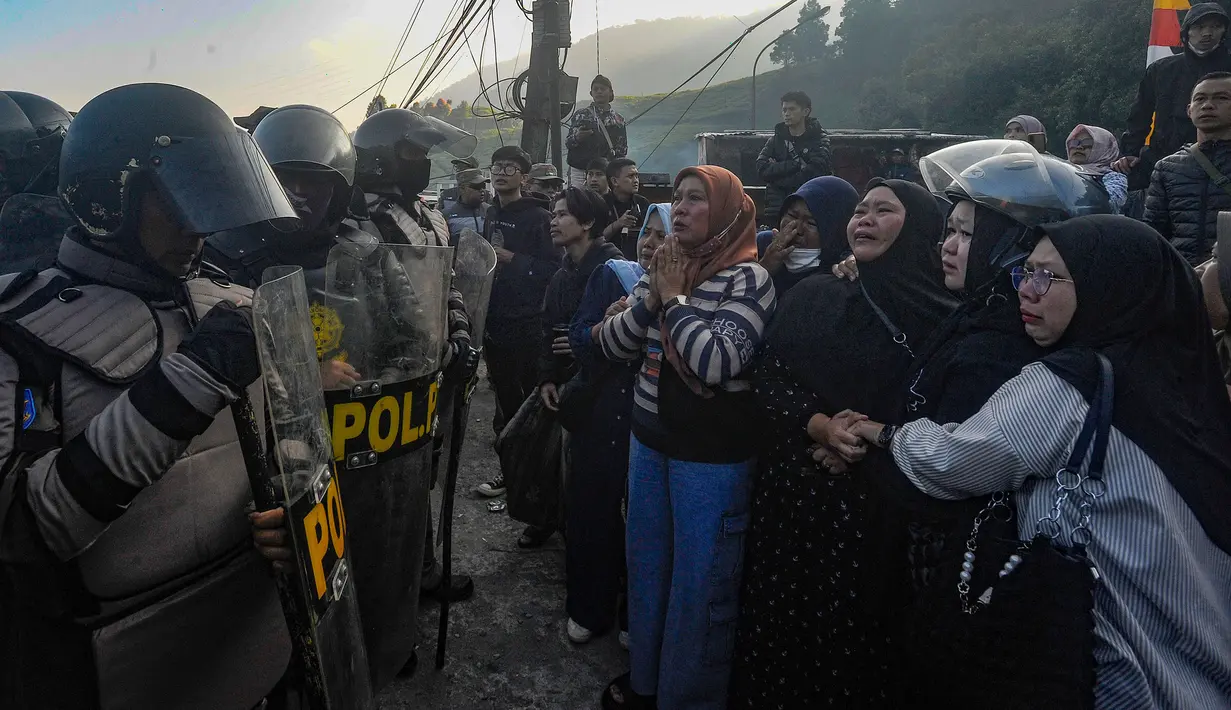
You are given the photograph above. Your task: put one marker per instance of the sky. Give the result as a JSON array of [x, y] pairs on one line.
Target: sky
[[247, 53]]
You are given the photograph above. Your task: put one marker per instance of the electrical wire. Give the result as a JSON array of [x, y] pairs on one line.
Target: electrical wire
[[708, 64], [449, 43], [397, 53], [371, 86], [696, 98]]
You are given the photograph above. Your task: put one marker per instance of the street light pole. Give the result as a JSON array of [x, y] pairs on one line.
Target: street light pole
[[824, 11]]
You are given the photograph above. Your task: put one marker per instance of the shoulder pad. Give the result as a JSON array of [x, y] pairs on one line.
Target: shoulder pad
[[243, 245], [358, 243], [206, 293], [110, 332]]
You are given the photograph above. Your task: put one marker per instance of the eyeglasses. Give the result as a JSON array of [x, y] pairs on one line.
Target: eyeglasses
[[1078, 145], [505, 169], [1040, 279]]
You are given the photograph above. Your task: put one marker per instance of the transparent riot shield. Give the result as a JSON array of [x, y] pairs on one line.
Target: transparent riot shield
[[320, 600], [383, 314], [474, 270]]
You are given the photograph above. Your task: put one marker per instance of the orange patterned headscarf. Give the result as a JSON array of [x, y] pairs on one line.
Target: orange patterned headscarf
[[731, 233], [731, 239]]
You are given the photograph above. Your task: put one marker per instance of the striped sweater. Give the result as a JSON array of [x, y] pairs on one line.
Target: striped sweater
[[716, 334], [1163, 606]]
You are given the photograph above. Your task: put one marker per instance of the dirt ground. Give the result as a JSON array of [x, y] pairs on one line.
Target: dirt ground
[[507, 646]]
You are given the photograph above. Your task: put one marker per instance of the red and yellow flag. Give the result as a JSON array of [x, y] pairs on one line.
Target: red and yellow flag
[[1165, 29]]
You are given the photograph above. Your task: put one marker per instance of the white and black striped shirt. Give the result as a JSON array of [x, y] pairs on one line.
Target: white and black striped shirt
[[716, 334], [1163, 606]]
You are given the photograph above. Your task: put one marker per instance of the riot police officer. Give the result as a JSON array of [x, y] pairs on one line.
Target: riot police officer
[[32, 220], [393, 148], [129, 577], [376, 318]]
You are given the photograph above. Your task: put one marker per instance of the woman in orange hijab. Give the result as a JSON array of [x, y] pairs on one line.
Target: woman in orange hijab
[[695, 320]]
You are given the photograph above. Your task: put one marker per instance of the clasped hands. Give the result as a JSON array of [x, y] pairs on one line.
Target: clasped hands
[[841, 440]]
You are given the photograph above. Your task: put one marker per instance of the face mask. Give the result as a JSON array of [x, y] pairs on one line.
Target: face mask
[[803, 260], [415, 176], [1200, 53], [311, 207]]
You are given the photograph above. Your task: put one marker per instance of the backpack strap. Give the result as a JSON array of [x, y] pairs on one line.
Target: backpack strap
[[1222, 181]]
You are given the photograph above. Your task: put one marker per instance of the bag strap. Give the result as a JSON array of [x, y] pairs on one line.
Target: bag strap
[[1096, 429], [602, 127], [898, 336], [1079, 489], [1222, 181]]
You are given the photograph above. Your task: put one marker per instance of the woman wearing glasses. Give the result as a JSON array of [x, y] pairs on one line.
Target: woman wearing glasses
[[1094, 149], [1158, 531], [997, 198]]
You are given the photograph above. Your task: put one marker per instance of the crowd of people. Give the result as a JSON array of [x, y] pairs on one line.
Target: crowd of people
[[959, 436]]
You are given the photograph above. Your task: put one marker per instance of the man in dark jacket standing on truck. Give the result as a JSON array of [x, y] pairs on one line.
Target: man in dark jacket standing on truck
[[1163, 96], [1184, 199], [798, 152], [519, 228]]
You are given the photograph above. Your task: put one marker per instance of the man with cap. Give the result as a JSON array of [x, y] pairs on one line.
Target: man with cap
[[898, 167], [544, 180], [1159, 112], [470, 208], [449, 195], [596, 131]]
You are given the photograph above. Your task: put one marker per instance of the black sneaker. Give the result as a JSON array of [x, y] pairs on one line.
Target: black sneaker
[[492, 488]]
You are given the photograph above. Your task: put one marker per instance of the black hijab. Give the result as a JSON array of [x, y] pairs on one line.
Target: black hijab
[[980, 346], [1139, 304], [828, 334]]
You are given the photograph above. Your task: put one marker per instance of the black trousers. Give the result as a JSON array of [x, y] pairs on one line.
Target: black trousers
[[513, 369]]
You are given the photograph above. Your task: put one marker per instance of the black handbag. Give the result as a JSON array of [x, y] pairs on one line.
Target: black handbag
[[1018, 630]]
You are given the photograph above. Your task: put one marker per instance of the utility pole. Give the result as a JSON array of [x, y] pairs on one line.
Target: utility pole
[[541, 121]]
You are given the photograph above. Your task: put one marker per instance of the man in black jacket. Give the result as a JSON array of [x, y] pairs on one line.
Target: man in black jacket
[[519, 228], [797, 152], [1184, 200], [1163, 96]]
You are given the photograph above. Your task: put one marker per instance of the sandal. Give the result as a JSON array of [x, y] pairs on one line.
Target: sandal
[[619, 695]]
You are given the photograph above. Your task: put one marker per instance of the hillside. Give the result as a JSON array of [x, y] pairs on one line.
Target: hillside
[[941, 65], [634, 56]]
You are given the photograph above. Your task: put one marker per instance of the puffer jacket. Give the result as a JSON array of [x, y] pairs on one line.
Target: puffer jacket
[[1183, 202], [1164, 92]]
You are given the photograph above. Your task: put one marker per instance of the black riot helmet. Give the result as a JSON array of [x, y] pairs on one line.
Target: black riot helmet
[[309, 139], [32, 131], [1015, 180], [394, 148], [207, 170]]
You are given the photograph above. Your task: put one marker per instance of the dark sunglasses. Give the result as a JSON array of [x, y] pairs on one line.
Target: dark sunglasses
[[1040, 279]]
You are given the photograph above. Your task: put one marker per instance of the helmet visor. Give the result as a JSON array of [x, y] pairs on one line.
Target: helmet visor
[[1010, 177], [942, 168], [440, 137], [219, 183]]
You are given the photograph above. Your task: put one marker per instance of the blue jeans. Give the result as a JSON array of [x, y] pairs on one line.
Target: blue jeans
[[686, 526]]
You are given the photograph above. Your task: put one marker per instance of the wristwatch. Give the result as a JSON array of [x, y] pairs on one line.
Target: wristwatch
[[885, 438], [680, 300]]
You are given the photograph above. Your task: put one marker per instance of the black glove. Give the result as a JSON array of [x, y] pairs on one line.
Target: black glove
[[465, 362], [224, 344]]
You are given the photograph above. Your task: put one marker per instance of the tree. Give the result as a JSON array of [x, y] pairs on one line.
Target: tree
[[378, 103], [807, 43]]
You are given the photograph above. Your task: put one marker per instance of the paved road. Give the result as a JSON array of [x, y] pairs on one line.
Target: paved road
[[507, 647]]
